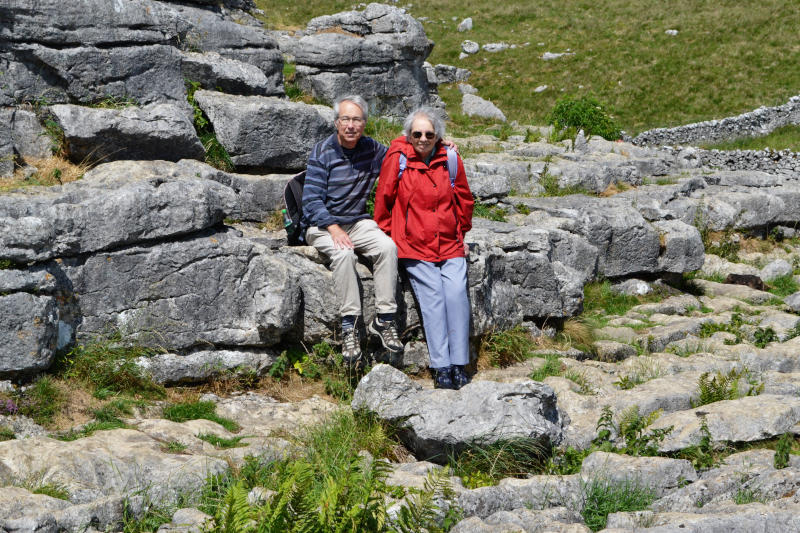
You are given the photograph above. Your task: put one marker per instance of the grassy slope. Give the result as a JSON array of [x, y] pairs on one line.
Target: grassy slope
[[728, 57]]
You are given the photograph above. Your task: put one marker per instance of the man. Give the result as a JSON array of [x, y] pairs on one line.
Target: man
[[341, 172]]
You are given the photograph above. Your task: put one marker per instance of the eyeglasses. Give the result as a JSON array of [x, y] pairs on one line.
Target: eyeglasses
[[352, 120], [428, 134]]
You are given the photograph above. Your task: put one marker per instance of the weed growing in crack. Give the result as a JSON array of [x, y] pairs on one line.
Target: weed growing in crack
[[603, 497]]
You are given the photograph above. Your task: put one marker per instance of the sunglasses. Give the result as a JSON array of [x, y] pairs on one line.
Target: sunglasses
[[428, 134]]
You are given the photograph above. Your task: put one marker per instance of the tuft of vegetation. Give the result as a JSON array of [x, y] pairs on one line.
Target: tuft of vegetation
[[174, 446], [745, 495], [52, 489], [492, 212], [221, 442], [506, 347], [638, 442], [115, 102], [603, 497], [41, 401], [481, 464], [574, 113], [552, 186], [782, 451], [784, 138], [725, 386], [702, 454], [783, 286], [764, 336], [105, 418], [108, 366], [382, 130], [181, 412], [552, 367], [599, 296], [216, 155], [6, 433]]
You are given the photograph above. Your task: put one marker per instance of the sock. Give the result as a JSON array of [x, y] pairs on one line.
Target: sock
[[348, 322], [386, 318]]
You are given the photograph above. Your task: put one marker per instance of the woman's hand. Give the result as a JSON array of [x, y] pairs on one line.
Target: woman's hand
[[451, 144]]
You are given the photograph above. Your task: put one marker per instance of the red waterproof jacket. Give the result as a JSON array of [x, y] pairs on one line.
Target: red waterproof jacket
[[421, 212]]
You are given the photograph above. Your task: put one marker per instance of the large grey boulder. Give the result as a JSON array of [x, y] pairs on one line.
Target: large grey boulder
[[158, 131], [555, 520], [379, 55], [434, 422], [30, 139], [534, 492], [231, 76], [28, 333], [474, 106], [261, 132], [115, 204], [212, 289]]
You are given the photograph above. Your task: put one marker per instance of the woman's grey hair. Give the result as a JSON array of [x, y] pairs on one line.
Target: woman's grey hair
[[429, 113], [356, 99]]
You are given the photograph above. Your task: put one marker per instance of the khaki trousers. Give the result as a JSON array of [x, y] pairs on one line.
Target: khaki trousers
[[373, 244]]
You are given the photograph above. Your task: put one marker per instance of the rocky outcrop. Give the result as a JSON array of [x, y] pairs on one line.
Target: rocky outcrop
[[378, 53], [434, 424], [260, 132], [158, 131]]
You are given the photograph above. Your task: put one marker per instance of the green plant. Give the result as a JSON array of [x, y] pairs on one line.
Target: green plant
[[421, 511], [632, 426], [115, 102], [552, 186], [41, 401], [603, 497], [522, 209], [6, 264], [109, 366], [174, 446], [702, 454], [532, 136], [146, 521], [181, 412], [382, 130], [221, 442], [216, 154], [481, 463], [52, 489], [725, 386], [506, 347], [764, 336], [599, 296], [745, 495], [7, 433], [568, 461], [572, 113], [492, 212], [552, 367], [782, 450], [58, 140]]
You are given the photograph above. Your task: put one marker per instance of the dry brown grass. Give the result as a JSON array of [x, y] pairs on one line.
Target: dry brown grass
[[78, 407], [49, 171]]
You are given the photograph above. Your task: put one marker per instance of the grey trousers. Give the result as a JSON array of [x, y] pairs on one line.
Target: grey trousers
[[373, 244]]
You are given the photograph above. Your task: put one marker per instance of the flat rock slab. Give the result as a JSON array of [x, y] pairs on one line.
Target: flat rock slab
[[115, 204], [160, 131], [660, 474], [739, 519], [747, 419], [535, 492], [436, 421], [28, 332], [169, 368], [262, 415], [266, 132], [120, 461], [215, 72], [740, 292], [555, 520]]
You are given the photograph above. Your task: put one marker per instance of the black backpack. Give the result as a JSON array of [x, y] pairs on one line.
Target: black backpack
[[293, 214]]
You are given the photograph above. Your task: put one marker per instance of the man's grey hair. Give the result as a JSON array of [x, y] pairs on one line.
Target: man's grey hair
[[356, 99], [430, 114]]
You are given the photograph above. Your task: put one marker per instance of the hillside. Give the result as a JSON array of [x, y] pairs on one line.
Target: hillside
[[727, 58]]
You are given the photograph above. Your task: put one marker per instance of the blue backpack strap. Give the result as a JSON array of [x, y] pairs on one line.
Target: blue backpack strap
[[402, 162], [452, 165]]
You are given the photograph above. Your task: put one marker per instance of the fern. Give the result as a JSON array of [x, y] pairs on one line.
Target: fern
[[235, 515], [422, 511], [725, 386]]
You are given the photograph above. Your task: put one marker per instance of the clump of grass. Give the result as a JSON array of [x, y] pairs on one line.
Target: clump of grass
[[507, 347], [206, 410], [481, 464], [105, 418], [782, 450], [52, 489], [745, 495], [599, 296], [174, 446], [108, 366], [783, 286], [7, 433], [784, 138], [573, 113], [41, 401], [382, 130], [603, 497], [50, 171], [552, 367], [115, 102], [216, 154], [552, 186], [492, 212], [221, 442]]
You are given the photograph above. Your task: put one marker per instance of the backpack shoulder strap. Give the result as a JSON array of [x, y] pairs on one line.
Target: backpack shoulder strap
[[452, 165], [402, 160]]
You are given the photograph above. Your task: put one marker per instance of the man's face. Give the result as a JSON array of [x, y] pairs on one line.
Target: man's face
[[350, 124]]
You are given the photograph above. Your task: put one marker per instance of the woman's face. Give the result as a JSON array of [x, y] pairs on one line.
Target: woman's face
[[423, 138]]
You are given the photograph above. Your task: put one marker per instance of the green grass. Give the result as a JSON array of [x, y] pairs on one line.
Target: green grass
[[506, 347], [54, 490], [552, 367], [785, 138], [481, 464], [783, 286], [181, 412], [41, 401], [492, 212], [221, 442], [7, 433], [603, 497], [174, 446], [598, 296], [711, 69]]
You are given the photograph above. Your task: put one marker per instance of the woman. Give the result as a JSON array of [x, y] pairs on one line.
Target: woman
[[427, 215]]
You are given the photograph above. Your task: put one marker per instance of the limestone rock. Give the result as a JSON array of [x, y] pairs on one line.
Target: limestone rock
[[434, 421], [264, 132], [555, 520], [215, 72], [775, 269], [6, 150], [535, 492], [28, 332], [160, 131], [212, 289], [115, 204], [200, 366], [465, 25], [30, 139], [475, 106], [793, 301], [470, 47], [660, 474]]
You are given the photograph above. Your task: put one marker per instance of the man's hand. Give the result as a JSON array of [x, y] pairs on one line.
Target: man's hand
[[451, 144], [340, 237]]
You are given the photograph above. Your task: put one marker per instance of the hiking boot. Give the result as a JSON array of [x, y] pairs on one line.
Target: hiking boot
[[351, 348], [460, 376], [442, 378], [387, 333]]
